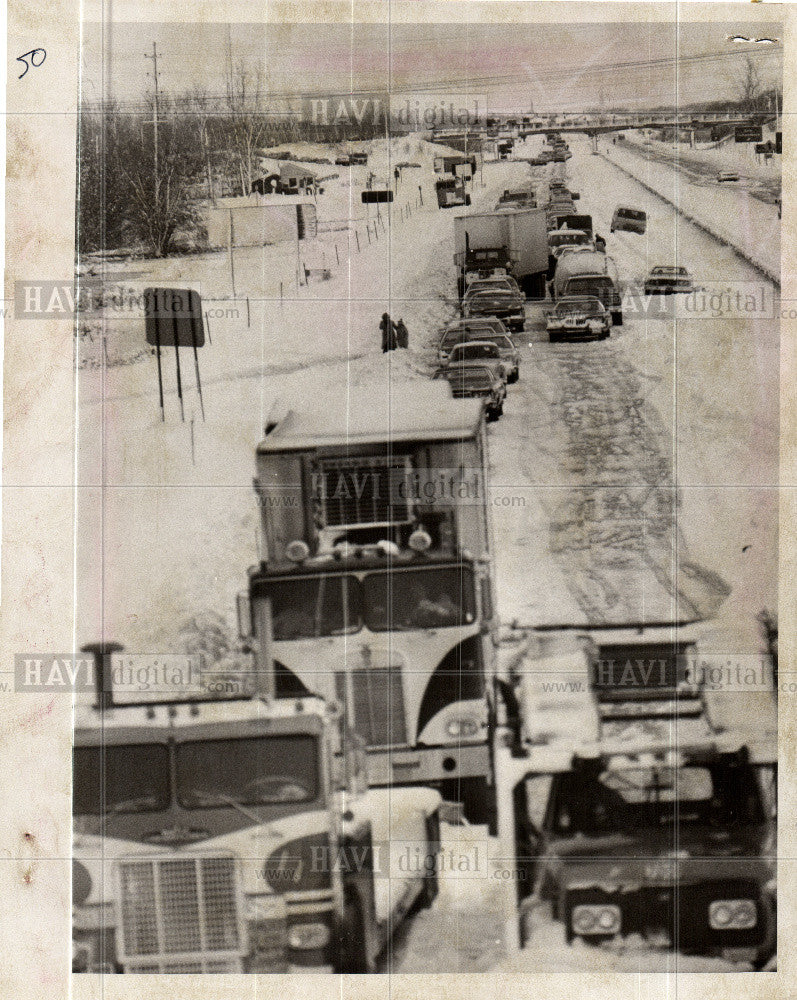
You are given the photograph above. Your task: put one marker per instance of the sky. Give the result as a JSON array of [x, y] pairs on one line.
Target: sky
[[515, 66]]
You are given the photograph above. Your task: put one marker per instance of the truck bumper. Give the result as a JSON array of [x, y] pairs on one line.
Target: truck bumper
[[428, 765]]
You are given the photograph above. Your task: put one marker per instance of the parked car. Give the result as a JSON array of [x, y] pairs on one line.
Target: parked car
[[476, 381], [667, 280], [506, 348], [631, 220], [505, 281], [587, 272], [578, 317], [478, 328], [480, 352], [727, 175], [343, 161], [500, 302]]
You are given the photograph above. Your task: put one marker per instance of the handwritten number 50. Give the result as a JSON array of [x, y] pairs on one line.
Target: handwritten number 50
[[36, 56]]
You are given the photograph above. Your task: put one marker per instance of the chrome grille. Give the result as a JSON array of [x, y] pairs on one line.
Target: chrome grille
[[361, 490], [180, 914], [376, 704]]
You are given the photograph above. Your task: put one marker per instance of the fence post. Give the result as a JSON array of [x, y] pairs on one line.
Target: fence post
[[368, 230], [337, 255], [357, 237]]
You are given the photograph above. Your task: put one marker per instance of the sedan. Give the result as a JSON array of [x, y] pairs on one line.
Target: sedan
[[476, 381], [668, 280], [480, 352], [506, 305], [581, 317], [727, 175]]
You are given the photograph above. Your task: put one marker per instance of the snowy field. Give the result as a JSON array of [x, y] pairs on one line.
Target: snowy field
[[645, 467]]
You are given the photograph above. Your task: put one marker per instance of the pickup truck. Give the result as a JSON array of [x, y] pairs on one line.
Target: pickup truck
[[476, 381]]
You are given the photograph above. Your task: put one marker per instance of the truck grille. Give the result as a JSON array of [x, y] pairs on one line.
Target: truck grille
[[375, 704], [362, 490], [180, 914]]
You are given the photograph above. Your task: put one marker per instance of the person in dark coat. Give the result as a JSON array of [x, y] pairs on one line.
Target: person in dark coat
[[388, 329], [402, 334]]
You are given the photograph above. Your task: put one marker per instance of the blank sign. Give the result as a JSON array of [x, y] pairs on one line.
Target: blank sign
[[173, 317]]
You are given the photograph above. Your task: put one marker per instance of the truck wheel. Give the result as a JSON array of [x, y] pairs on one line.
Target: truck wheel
[[492, 414], [617, 317], [352, 955]]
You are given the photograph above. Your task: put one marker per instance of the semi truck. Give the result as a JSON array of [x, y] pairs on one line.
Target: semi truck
[[638, 791], [376, 577], [513, 241], [227, 834]]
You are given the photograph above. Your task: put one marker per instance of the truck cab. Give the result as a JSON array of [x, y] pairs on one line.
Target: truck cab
[[640, 789], [235, 835]]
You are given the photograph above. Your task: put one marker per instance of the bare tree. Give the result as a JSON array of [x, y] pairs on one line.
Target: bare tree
[[750, 85], [246, 120]]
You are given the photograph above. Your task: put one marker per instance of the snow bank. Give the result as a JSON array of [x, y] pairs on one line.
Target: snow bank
[[732, 216]]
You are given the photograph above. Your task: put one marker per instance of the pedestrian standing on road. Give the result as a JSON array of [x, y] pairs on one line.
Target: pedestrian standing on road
[[388, 329], [402, 334], [600, 243], [397, 175]]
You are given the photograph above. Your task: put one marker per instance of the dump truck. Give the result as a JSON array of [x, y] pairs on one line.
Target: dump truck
[[515, 239], [377, 577], [636, 780], [235, 833]]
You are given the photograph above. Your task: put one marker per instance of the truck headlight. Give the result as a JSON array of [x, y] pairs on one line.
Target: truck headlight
[[593, 919], [732, 914], [462, 726], [308, 937]]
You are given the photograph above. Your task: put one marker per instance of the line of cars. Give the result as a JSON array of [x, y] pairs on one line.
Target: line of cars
[[478, 358]]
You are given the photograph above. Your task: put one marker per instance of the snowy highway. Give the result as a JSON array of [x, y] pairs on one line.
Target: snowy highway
[[609, 505]]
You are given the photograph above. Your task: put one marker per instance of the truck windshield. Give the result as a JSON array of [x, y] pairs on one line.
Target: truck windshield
[[260, 770], [412, 599], [314, 606], [645, 797], [131, 778]]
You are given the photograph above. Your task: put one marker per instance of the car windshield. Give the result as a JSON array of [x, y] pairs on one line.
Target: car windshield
[[631, 213], [438, 597], [474, 352], [310, 607], [129, 778], [257, 770], [645, 797]]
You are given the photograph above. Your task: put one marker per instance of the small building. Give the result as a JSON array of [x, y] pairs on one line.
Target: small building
[[294, 178]]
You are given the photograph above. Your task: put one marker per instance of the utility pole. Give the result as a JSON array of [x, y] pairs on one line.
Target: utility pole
[[155, 119]]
